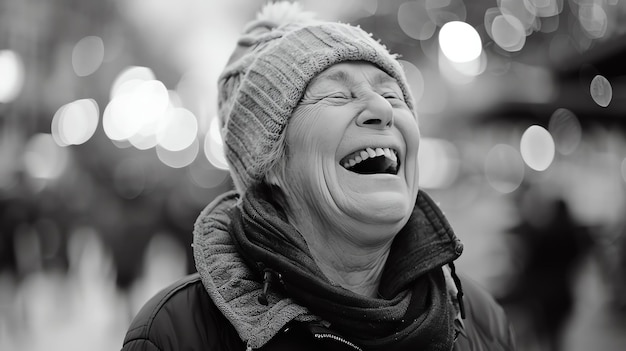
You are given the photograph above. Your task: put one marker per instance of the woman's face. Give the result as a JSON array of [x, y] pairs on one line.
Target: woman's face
[[352, 149]]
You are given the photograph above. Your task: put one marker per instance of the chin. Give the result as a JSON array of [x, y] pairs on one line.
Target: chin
[[384, 208]]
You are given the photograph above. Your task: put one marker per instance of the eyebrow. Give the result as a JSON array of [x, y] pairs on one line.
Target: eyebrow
[[336, 75], [342, 77]]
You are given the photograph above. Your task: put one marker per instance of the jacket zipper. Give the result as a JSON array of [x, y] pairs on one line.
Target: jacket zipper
[[338, 339]]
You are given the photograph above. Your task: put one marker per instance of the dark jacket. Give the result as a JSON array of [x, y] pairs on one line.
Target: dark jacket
[[183, 317]]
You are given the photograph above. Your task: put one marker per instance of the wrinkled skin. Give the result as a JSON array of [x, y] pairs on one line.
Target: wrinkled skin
[[343, 215]]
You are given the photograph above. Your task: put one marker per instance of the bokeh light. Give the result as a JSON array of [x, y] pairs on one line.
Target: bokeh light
[[214, 146], [593, 19], [601, 91], [518, 10], [537, 148], [12, 73], [144, 113], [146, 137], [441, 12], [504, 168], [544, 8], [459, 42], [75, 123], [490, 14], [119, 121], [135, 106], [132, 73], [439, 163], [87, 55], [177, 129], [460, 73], [566, 130], [415, 21], [181, 158], [369, 6], [43, 158], [508, 32]]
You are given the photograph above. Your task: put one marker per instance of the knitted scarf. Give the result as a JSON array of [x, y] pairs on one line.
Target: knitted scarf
[[414, 310]]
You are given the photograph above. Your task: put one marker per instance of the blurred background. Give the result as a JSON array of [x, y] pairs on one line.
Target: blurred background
[[109, 150]]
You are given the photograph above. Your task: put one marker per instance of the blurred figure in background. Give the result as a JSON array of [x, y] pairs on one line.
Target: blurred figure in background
[[327, 243], [551, 247]]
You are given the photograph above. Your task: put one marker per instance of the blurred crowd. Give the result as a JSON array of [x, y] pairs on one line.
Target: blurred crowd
[[109, 150]]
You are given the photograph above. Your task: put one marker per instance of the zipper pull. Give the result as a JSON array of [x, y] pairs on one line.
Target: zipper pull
[[267, 279], [459, 294]]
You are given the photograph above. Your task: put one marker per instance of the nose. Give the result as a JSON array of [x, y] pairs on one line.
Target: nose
[[377, 114]]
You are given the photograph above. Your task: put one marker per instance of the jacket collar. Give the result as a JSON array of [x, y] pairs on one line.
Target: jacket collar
[[232, 285], [234, 288]]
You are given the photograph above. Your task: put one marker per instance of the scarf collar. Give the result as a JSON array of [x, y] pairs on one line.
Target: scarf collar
[[235, 245]]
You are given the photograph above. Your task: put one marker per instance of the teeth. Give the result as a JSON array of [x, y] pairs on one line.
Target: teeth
[[370, 153]]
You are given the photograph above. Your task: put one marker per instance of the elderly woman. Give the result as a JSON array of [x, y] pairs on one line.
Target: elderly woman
[[327, 242]]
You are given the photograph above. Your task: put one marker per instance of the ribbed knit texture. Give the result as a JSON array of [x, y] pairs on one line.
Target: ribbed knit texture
[[267, 77]]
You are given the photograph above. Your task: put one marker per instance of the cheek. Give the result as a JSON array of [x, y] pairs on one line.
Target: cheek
[[410, 133], [313, 136], [312, 144], [409, 129]]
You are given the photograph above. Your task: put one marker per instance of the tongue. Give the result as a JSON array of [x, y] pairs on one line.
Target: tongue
[[379, 164]]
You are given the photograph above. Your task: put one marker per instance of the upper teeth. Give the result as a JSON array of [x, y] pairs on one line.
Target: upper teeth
[[369, 152]]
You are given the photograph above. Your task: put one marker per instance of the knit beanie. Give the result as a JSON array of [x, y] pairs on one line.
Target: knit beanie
[[279, 53]]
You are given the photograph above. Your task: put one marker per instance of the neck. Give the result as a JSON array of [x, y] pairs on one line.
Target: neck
[[359, 273], [345, 261], [349, 253]]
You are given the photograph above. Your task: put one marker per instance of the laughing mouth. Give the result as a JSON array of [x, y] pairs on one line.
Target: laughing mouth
[[372, 160]]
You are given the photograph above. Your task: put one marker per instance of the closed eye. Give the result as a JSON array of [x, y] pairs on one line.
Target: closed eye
[[391, 96], [338, 96], [395, 99]]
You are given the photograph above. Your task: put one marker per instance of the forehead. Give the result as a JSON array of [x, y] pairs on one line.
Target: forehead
[[349, 73]]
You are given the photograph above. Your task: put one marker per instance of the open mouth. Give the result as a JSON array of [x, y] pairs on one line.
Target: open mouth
[[372, 161]]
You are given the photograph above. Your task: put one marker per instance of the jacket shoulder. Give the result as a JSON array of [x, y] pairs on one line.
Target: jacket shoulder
[[181, 317], [486, 324]]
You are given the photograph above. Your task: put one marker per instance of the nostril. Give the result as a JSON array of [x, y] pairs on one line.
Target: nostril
[[378, 122], [374, 121]]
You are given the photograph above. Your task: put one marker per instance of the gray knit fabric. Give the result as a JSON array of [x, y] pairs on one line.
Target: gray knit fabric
[[267, 76], [230, 283]]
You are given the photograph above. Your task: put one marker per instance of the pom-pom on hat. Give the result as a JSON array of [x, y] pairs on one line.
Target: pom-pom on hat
[[274, 61]]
